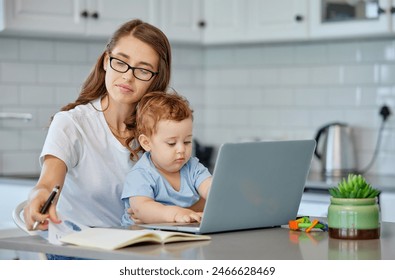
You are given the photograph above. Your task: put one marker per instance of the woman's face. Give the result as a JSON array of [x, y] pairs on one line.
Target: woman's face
[[125, 87]]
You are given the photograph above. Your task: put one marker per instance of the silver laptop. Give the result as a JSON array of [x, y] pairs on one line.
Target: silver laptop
[[255, 185]]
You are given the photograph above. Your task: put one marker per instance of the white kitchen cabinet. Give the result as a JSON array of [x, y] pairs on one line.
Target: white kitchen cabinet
[[276, 20], [314, 203], [95, 18], [224, 21], [237, 21], [181, 20], [378, 19], [387, 206]]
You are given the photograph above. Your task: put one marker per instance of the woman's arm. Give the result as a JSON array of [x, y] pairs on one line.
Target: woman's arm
[[147, 210], [53, 174]]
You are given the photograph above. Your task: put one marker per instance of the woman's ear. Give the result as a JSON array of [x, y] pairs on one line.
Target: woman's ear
[[105, 62], [145, 142]]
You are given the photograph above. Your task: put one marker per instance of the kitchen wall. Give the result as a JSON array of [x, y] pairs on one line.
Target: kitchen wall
[[38, 76], [268, 91], [288, 91]]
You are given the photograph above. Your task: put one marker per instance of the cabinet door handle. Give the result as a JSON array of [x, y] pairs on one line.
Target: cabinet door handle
[[201, 24], [380, 11], [95, 15], [392, 10], [299, 18], [84, 14]]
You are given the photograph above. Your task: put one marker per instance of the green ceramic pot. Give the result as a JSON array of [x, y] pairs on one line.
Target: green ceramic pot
[[354, 218]]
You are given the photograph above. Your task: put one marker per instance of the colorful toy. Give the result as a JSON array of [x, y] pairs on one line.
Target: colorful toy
[[305, 223]]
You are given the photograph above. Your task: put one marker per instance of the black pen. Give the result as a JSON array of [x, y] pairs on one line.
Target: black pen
[[48, 203]]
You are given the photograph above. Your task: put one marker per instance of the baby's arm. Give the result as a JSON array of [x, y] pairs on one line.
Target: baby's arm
[[204, 187], [147, 210]]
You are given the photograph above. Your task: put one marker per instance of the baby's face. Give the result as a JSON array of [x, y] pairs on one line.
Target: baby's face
[[171, 145]]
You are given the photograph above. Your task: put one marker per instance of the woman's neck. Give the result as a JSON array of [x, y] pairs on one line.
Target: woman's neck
[[116, 113]]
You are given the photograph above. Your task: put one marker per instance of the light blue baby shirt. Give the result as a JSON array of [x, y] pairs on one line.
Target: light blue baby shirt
[[145, 180]]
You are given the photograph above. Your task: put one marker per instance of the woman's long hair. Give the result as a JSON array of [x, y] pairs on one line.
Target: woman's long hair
[[94, 86]]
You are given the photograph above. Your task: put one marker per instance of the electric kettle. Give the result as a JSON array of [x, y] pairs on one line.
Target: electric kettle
[[335, 149]]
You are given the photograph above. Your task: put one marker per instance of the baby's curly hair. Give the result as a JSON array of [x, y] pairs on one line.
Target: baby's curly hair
[[154, 107]]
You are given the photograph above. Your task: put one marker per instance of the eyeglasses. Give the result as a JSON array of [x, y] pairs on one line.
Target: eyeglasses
[[139, 73]]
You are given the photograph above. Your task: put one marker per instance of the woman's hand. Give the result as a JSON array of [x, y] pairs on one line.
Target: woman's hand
[[31, 212], [53, 174]]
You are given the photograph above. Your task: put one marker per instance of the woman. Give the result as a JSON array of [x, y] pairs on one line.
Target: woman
[[87, 150]]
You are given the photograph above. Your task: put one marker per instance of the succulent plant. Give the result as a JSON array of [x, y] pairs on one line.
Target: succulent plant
[[354, 187]]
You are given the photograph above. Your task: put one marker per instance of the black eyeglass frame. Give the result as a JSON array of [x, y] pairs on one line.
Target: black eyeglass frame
[[153, 74]]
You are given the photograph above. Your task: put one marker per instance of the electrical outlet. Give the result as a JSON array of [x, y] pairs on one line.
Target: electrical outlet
[[385, 112]]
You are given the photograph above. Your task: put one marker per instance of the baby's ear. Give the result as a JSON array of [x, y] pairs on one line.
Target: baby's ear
[[145, 142]]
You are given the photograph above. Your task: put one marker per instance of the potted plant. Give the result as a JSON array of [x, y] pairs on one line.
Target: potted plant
[[354, 210]]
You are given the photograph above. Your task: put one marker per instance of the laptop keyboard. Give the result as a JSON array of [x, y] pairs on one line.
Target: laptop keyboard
[[189, 225]]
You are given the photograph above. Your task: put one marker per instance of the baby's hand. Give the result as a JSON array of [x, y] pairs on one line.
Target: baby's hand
[[187, 216]]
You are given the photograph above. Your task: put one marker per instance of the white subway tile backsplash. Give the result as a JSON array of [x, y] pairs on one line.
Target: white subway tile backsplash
[[79, 74], [195, 96], [343, 52], [239, 92], [264, 76], [377, 51], [32, 139], [361, 74], [8, 95], [323, 115], [294, 76], [267, 117], [248, 56], [211, 77], [234, 77], [14, 72], [219, 56], [294, 118], [54, 74], [325, 75], [8, 49], [9, 140], [190, 57], [94, 50], [386, 74], [279, 55], [311, 54], [10, 123], [65, 95], [20, 162], [344, 97], [36, 50], [363, 117], [71, 52], [37, 95], [184, 77], [370, 96], [278, 97], [44, 116], [211, 117], [235, 117], [307, 98]]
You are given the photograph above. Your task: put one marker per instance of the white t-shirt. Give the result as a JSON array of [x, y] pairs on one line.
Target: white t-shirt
[[97, 165]]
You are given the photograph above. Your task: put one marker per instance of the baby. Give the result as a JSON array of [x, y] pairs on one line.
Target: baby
[[167, 179]]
